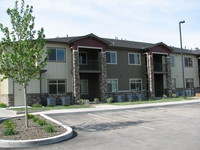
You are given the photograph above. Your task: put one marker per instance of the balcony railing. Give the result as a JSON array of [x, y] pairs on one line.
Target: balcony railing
[[91, 65], [159, 67]]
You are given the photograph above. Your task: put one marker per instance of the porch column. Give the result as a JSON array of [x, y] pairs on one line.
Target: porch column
[[76, 75], [150, 72], [169, 77], [103, 76]]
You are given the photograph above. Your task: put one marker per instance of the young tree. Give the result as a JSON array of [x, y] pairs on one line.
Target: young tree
[[22, 55]]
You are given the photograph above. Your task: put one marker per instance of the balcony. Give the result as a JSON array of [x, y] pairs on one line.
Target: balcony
[[160, 68], [90, 66]]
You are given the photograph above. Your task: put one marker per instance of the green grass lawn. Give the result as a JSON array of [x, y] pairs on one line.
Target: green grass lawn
[[153, 101], [37, 109]]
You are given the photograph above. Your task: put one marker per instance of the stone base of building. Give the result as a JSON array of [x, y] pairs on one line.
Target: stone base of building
[[33, 98], [127, 96]]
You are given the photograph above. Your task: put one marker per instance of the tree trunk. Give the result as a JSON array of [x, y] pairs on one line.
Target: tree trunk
[[25, 103]]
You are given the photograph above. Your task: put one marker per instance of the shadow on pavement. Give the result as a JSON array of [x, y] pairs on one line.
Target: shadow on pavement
[[106, 126]]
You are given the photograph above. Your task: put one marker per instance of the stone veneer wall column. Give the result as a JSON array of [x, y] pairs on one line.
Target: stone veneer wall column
[[150, 72], [76, 75], [169, 77], [103, 76]]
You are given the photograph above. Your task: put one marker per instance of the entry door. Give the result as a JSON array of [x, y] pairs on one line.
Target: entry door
[[159, 89], [18, 94]]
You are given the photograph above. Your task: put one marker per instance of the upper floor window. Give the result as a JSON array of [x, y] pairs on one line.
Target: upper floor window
[[112, 85], [188, 61], [135, 84], [134, 58], [172, 61], [57, 87], [111, 57], [56, 54]]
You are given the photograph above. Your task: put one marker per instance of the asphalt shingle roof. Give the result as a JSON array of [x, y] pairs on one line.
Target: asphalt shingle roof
[[121, 43]]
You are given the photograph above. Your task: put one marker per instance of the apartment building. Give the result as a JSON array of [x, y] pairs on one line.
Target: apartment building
[[88, 67]]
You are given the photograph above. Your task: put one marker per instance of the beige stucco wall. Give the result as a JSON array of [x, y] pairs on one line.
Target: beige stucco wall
[[4, 86], [190, 72], [58, 70]]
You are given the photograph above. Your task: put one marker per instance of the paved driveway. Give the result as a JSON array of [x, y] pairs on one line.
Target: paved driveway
[[160, 128]]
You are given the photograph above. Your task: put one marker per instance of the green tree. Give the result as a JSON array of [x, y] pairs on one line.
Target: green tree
[[22, 54]]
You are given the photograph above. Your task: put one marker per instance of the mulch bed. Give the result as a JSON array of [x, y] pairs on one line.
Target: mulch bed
[[34, 131]]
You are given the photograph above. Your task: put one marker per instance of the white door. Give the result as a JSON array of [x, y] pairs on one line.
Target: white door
[[18, 95]]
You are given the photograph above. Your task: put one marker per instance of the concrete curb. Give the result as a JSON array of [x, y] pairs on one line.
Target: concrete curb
[[39, 142], [116, 108]]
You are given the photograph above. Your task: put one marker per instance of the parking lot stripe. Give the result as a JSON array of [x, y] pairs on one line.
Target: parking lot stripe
[[147, 127], [101, 117]]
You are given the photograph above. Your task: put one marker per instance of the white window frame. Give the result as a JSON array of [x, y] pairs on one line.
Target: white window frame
[[87, 89], [191, 83], [112, 82], [110, 59], [57, 92], [57, 48], [130, 82], [172, 59], [190, 62], [134, 57]]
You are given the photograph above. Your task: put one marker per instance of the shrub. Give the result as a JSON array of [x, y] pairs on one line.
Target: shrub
[[164, 96], [80, 102], [173, 95], [42, 122], [31, 116], [8, 124], [109, 100], [96, 100], [131, 100], [50, 105], [9, 131], [49, 129], [37, 105], [2, 105], [35, 119], [66, 105]]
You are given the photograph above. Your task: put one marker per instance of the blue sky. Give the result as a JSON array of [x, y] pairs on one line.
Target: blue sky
[[136, 20]]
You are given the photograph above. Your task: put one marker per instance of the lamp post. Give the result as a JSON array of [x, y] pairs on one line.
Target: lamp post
[[184, 94]]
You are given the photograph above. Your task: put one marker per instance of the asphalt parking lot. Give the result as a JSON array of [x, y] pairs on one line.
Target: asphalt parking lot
[[159, 128]]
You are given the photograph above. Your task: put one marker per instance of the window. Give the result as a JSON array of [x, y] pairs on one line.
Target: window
[[172, 61], [56, 54], [173, 83], [134, 58], [84, 86], [111, 57], [135, 84], [188, 62], [57, 87], [189, 83], [83, 58], [112, 85]]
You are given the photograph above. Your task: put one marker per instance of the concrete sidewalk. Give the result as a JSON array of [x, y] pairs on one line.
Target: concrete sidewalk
[[105, 107], [9, 113]]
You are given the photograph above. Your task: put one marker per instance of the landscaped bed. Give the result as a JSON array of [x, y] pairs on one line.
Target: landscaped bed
[[37, 129]]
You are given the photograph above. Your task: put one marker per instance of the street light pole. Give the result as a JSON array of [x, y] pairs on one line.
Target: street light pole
[[184, 94]]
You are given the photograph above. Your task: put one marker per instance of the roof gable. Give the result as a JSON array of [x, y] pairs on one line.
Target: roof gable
[[159, 48]]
